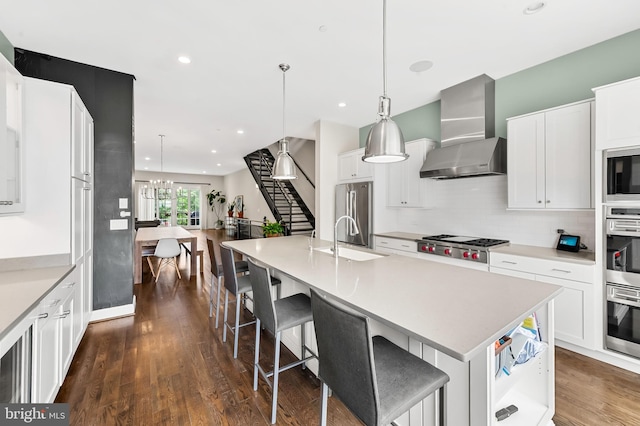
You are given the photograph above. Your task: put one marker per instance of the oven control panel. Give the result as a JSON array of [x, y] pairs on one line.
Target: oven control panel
[[462, 253]]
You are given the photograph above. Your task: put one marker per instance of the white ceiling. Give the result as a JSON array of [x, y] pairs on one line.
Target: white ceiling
[[234, 81]]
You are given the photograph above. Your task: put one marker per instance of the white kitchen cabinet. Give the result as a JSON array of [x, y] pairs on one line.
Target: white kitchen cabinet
[[56, 110], [550, 159], [11, 139], [351, 168], [574, 313], [617, 123], [395, 246], [405, 188]]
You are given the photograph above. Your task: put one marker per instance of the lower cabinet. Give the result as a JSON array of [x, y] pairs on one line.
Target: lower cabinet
[[574, 319], [54, 340], [396, 246]]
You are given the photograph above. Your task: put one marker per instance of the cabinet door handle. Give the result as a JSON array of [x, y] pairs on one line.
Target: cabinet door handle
[[63, 315], [561, 270], [70, 285], [539, 201], [42, 316]]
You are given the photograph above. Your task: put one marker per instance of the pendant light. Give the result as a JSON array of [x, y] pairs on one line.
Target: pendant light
[[284, 168], [160, 189], [385, 143]]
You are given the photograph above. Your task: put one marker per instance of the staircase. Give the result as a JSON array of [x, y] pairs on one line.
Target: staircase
[[283, 200]]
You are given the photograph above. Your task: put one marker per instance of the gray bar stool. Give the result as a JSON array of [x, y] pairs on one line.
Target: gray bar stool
[[375, 379], [239, 286], [216, 273], [276, 316]]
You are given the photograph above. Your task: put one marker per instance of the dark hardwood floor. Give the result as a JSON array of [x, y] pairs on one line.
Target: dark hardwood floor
[[168, 365]]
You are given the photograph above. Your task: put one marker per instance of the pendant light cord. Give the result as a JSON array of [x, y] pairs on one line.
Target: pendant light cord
[[384, 50], [284, 100], [161, 153]]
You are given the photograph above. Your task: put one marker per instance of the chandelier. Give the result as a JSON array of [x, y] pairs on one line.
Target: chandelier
[[159, 189]]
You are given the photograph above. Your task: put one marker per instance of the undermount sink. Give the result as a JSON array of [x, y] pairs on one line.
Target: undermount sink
[[351, 254]]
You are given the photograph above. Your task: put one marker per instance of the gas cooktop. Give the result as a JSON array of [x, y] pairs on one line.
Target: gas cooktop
[[466, 241]]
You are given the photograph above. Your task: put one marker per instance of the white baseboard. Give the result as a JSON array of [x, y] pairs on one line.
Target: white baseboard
[[115, 312]]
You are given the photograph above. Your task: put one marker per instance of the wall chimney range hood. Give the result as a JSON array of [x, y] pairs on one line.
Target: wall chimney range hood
[[469, 147]]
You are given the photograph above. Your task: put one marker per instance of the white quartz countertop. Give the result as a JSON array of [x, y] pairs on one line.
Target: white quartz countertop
[[455, 310], [581, 257], [21, 291], [401, 235]]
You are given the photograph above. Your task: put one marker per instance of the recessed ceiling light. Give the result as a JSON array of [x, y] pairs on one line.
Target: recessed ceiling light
[[146, 168], [534, 8], [213, 151], [420, 66], [342, 104], [204, 172], [240, 131], [147, 158], [322, 28], [184, 59], [219, 164]]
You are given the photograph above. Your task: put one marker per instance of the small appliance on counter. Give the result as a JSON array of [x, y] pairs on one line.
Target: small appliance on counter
[[568, 242]]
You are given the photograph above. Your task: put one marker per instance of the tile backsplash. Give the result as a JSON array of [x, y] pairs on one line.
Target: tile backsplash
[[478, 207]]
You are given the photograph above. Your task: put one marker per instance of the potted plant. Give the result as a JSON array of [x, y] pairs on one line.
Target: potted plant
[[272, 229], [230, 208], [217, 201], [240, 210]]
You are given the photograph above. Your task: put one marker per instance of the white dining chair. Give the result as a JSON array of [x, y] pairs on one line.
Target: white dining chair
[[167, 251]]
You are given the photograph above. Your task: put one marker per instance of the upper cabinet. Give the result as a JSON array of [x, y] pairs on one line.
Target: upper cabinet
[[618, 122], [549, 158], [405, 188], [351, 168], [11, 135], [81, 140]]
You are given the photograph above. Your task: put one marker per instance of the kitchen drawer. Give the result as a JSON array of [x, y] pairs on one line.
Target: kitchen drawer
[[550, 268], [50, 303], [383, 243]]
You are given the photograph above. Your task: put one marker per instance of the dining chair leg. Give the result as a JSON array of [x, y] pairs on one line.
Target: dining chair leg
[[256, 357], [175, 263], [323, 404], [218, 299], [236, 327], [276, 371], [153, 274], [226, 310]]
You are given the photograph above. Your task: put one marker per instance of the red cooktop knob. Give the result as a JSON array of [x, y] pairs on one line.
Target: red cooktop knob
[[447, 251], [465, 254], [432, 249], [475, 256]]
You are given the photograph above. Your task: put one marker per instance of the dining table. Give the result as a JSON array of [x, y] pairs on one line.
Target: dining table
[[149, 237]]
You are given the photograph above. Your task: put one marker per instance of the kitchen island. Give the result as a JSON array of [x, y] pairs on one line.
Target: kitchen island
[[448, 315]]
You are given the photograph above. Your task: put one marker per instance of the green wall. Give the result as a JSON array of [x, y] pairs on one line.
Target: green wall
[[6, 48], [560, 81]]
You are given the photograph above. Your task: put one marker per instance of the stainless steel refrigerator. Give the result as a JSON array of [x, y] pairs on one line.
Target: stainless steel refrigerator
[[354, 199]]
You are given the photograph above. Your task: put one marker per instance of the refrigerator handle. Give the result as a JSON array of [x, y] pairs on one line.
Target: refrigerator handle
[[352, 211]]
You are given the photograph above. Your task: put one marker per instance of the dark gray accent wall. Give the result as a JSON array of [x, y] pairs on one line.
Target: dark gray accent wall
[[108, 95]]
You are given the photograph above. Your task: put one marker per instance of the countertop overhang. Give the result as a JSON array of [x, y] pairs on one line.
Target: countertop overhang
[[21, 291], [455, 310]]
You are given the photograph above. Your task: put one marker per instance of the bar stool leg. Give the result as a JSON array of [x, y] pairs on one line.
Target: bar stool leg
[[218, 299], [442, 405], [226, 311], [256, 357], [276, 371], [302, 346], [323, 405], [237, 326]]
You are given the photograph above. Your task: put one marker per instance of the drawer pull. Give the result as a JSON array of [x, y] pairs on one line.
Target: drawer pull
[[405, 245], [509, 262], [561, 270], [70, 285], [53, 303], [384, 242], [42, 316], [63, 315]]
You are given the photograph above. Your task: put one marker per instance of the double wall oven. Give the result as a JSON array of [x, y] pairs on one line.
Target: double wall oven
[[623, 280]]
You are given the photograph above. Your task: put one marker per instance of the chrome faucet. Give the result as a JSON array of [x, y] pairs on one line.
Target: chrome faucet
[[335, 232]]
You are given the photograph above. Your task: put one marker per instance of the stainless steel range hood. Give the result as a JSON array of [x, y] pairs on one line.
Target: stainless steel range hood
[[469, 147]]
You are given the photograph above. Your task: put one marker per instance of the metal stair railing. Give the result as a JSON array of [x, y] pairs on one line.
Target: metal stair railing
[[266, 166]]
